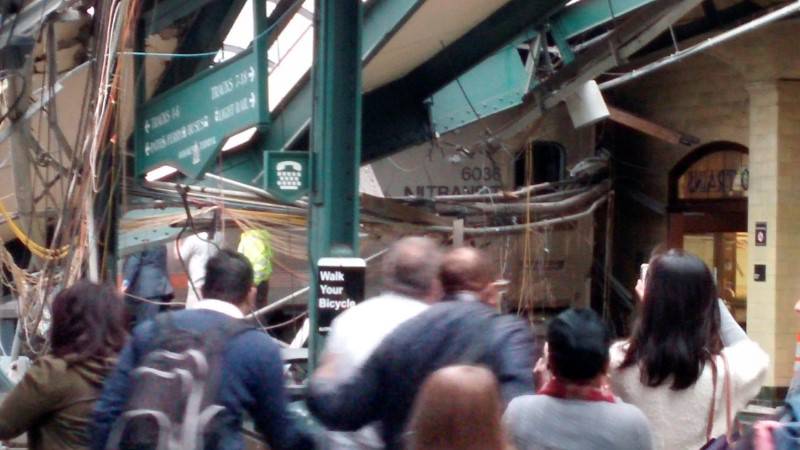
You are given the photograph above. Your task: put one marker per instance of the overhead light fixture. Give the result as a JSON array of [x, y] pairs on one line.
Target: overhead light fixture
[[90, 11], [159, 173], [239, 139], [587, 106]]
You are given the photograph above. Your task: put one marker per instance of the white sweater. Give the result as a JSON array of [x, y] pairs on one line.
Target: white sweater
[[678, 419]]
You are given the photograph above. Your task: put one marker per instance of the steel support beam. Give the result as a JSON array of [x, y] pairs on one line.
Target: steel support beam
[[29, 19], [260, 46], [206, 34], [165, 13], [470, 98], [651, 128], [407, 122], [292, 117], [630, 36], [335, 142], [588, 14]]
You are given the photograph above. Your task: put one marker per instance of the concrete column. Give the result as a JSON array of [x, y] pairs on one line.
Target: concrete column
[[774, 198]]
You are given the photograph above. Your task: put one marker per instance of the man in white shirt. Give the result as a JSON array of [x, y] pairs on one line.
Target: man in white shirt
[[410, 283], [194, 251]]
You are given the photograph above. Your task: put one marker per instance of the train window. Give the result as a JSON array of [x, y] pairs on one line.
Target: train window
[[548, 163]]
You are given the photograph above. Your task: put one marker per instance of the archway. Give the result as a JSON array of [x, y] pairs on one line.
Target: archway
[[708, 214]]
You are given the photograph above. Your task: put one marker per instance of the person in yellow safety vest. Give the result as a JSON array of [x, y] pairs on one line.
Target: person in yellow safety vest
[[256, 246]]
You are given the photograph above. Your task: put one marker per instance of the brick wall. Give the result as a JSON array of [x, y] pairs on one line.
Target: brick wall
[[775, 199]]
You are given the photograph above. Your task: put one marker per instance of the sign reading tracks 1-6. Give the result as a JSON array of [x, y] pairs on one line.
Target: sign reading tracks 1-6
[[186, 126]]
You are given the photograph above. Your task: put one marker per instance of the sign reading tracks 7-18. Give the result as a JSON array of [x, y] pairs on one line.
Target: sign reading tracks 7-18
[[186, 126]]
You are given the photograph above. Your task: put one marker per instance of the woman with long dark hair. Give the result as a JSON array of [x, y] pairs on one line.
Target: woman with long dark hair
[[54, 400], [683, 336], [458, 408]]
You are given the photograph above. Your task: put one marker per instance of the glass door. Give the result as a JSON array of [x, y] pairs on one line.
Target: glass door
[[726, 256]]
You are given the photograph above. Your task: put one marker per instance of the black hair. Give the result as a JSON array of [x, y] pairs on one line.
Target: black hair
[[88, 322], [229, 277], [678, 328], [578, 343]]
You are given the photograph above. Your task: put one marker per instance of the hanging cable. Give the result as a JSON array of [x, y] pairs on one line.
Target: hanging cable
[[35, 248]]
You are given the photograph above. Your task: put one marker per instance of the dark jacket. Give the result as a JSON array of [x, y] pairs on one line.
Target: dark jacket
[[146, 273], [252, 381], [445, 334], [53, 402]]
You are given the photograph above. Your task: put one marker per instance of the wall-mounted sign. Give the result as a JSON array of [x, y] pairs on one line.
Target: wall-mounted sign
[[719, 175], [340, 286], [760, 272], [761, 234], [186, 126], [286, 174]]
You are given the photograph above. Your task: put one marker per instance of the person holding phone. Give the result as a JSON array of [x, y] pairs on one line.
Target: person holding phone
[[682, 338]]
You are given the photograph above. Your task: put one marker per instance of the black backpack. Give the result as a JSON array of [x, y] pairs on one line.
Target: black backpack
[[174, 389]]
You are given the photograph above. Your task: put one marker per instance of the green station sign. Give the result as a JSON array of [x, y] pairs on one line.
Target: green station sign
[[186, 126], [286, 174]]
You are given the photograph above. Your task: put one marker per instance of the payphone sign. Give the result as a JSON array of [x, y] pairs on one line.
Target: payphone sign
[[286, 174]]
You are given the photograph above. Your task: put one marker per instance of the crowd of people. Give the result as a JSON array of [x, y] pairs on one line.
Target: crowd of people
[[430, 363]]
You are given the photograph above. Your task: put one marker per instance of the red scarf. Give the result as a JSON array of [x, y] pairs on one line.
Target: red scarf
[[559, 389]]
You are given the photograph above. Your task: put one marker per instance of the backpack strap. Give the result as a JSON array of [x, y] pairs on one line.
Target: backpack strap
[[232, 328], [162, 324], [235, 328]]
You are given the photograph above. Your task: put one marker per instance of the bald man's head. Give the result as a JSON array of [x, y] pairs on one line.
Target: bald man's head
[[466, 269], [411, 266]]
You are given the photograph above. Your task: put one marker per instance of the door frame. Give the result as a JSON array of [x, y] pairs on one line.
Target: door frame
[[703, 216]]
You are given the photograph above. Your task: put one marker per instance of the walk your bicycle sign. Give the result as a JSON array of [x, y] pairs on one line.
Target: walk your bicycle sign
[[186, 126], [340, 286]]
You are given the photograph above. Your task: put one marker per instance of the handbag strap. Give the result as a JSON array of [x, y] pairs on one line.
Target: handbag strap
[[710, 423], [726, 387], [728, 408]]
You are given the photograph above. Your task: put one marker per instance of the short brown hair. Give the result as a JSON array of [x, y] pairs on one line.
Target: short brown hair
[[458, 407], [465, 269]]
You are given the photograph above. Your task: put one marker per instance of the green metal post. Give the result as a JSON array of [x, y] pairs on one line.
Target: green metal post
[[335, 141], [260, 47]]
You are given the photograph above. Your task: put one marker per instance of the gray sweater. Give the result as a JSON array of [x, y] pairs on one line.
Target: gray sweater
[[540, 422]]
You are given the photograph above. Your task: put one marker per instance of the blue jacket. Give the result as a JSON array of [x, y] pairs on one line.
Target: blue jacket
[[146, 273], [252, 381], [455, 332]]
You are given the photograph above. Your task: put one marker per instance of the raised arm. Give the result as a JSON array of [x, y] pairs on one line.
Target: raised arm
[[349, 405], [515, 359], [729, 329]]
